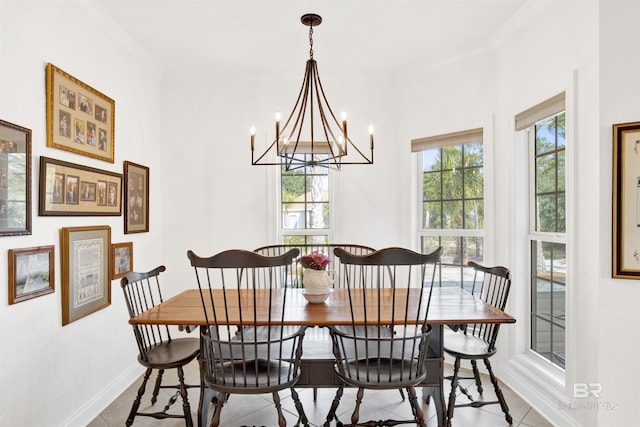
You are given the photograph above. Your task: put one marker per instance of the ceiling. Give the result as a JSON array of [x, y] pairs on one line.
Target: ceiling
[[186, 36]]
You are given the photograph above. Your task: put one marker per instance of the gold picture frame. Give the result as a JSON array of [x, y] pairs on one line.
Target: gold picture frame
[[80, 119], [86, 267], [626, 201], [121, 259], [31, 273], [69, 189], [15, 180]]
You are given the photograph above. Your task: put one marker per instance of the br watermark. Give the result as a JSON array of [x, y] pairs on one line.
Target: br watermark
[[586, 390], [585, 397]]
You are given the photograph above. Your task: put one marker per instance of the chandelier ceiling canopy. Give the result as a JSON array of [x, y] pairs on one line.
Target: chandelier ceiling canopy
[[312, 135]]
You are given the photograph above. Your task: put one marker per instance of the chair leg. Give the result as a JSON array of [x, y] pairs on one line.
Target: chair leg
[[136, 402], [501, 399], [276, 402], [415, 407], [156, 389], [476, 375], [302, 417], [215, 420], [185, 399], [452, 394], [356, 411], [334, 406]]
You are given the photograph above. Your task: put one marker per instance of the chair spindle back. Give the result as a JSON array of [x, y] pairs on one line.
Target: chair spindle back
[[142, 292], [492, 285], [394, 286], [241, 341], [326, 248]]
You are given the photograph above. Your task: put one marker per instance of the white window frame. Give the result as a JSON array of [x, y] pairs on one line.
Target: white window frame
[[281, 233], [534, 371]]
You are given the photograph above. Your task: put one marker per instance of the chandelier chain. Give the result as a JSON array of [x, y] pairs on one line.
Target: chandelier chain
[[311, 41]]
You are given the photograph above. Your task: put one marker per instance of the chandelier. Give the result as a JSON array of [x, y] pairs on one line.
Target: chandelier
[[324, 141]]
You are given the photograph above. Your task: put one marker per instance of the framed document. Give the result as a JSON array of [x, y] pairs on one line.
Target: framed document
[[80, 119], [626, 201], [86, 266]]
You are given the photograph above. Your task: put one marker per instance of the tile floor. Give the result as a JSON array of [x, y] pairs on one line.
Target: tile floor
[[258, 410]]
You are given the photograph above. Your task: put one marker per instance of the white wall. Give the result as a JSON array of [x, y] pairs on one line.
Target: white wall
[[549, 47], [49, 374], [221, 201], [618, 347], [553, 48]]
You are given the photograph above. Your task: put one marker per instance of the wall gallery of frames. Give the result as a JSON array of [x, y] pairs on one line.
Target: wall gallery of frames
[[79, 119]]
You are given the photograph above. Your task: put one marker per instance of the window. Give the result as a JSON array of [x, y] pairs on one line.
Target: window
[[304, 205], [452, 202], [544, 232], [547, 239]]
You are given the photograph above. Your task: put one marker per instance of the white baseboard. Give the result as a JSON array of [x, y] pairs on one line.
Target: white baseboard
[[537, 392], [100, 401]]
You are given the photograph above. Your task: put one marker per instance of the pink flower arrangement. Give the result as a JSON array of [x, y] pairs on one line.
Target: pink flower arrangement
[[315, 260]]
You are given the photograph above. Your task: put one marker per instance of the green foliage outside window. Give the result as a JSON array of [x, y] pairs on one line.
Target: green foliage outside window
[[453, 195]]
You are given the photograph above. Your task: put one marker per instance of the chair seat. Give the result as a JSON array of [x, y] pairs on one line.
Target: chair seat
[[173, 353], [378, 341], [381, 373], [266, 333], [362, 331], [464, 346], [269, 343], [243, 376]]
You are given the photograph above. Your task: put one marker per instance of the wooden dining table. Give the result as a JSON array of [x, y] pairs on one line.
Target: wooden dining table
[[448, 305]]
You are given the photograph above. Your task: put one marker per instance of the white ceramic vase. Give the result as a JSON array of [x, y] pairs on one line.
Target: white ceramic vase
[[316, 281]]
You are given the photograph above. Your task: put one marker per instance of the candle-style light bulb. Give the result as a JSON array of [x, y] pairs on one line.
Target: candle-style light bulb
[[278, 126], [344, 125], [253, 135]]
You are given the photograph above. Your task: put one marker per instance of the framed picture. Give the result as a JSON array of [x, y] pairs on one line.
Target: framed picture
[[80, 119], [136, 196], [72, 189], [15, 180], [31, 273], [626, 201], [121, 259], [86, 267]]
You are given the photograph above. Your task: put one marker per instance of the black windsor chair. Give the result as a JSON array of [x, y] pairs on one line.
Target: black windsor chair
[[244, 358], [157, 350], [382, 356], [478, 341]]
